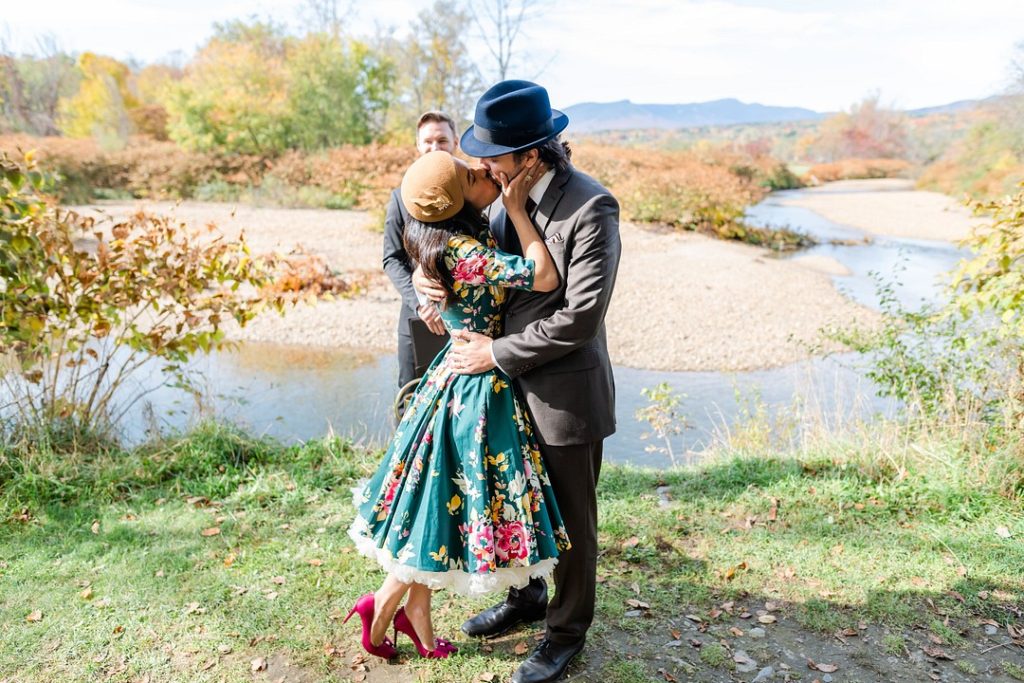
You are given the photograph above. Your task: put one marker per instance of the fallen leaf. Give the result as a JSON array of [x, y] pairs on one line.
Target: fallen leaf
[[631, 542], [34, 615], [823, 668], [209, 665], [229, 560], [694, 618], [1003, 532], [637, 604], [224, 649], [486, 677], [935, 652], [118, 629], [983, 595], [271, 595], [212, 531], [86, 594], [736, 632], [771, 606], [316, 562], [766, 619], [258, 664], [667, 676], [936, 639], [521, 648], [279, 580], [676, 634], [96, 527]]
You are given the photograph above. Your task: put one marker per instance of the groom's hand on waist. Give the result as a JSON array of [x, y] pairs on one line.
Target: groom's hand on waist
[[471, 353]]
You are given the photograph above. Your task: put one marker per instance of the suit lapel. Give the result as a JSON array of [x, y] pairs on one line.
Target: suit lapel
[[548, 203]]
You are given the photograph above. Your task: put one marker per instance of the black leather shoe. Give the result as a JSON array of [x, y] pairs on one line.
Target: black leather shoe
[[502, 618], [547, 663]]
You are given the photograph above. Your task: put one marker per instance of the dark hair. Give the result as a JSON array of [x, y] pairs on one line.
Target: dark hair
[[425, 242], [436, 117], [555, 153]]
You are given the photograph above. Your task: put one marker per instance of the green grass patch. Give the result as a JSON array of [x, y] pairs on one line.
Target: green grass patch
[[109, 568]]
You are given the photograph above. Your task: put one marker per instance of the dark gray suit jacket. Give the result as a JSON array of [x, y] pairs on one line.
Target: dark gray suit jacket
[[554, 343], [396, 261]]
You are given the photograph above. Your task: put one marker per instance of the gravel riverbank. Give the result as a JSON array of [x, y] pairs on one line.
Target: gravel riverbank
[[682, 301]]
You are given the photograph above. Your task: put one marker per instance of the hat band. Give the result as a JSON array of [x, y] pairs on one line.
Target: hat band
[[513, 138]]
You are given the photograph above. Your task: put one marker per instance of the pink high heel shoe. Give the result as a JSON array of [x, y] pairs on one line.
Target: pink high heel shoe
[[442, 648], [364, 606]]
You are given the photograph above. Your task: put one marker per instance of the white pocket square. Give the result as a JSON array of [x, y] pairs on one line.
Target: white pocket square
[[554, 239]]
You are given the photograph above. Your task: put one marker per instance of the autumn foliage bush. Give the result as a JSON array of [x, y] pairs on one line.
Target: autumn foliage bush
[[851, 169], [86, 304], [705, 190]]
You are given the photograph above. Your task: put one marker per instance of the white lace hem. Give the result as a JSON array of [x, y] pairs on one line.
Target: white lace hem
[[461, 582]]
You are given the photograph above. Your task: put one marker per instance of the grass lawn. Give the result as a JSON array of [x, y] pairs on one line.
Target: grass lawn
[[222, 558]]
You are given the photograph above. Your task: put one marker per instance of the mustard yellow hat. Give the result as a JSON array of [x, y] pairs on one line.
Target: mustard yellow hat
[[431, 190]]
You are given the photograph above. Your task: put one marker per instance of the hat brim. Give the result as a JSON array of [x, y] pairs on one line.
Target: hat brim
[[485, 150]]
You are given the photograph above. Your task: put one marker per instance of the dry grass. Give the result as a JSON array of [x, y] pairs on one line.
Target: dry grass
[[854, 169]]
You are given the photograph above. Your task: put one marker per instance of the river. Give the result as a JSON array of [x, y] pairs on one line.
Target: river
[[295, 393]]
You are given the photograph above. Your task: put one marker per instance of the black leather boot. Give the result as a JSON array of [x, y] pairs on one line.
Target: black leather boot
[[548, 662], [522, 606]]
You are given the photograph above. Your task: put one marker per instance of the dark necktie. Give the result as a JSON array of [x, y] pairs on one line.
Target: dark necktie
[[531, 207]]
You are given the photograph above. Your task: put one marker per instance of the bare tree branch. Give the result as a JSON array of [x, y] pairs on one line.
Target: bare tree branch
[[501, 24]]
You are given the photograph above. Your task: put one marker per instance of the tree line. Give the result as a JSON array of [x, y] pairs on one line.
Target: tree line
[[257, 87]]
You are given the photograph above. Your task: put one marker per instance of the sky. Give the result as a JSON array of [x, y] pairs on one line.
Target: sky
[[820, 54]]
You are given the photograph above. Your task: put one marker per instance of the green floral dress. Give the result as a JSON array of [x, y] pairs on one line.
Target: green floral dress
[[461, 499]]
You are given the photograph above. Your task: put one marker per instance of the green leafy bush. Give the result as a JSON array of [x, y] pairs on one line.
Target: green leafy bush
[[86, 304]]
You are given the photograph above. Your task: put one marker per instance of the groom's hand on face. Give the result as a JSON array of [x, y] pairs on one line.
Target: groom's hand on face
[[471, 353], [431, 289]]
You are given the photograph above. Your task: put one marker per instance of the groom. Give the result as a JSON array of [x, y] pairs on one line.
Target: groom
[[555, 348]]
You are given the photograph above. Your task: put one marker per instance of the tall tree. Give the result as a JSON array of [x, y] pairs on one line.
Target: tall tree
[[440, 73], [100, 107], [31, 86], [326, 16], [501, 24]]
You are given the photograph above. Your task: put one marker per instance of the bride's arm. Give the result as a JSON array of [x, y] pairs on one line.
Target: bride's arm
[[514, 195]]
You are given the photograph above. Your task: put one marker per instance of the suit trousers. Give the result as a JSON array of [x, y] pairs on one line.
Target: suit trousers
[[574, 471], [406, 359]]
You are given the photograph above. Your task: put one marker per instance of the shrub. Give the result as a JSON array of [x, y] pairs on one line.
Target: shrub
[[964, 357], [851, 169], [86, 304]]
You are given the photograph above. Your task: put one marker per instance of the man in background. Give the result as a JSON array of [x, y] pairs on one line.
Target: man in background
[[435, 130]]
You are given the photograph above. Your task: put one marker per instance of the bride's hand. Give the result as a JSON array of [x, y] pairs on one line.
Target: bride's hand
[[514, 193]]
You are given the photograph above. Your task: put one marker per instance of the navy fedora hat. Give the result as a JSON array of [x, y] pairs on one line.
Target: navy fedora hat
[[510, 117]]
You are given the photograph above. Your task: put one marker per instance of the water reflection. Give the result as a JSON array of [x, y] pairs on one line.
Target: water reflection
[[295, 393]]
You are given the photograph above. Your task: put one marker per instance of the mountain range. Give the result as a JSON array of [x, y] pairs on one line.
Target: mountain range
[[589, 117]]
